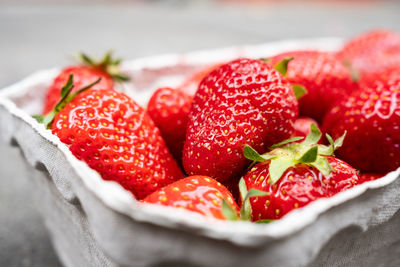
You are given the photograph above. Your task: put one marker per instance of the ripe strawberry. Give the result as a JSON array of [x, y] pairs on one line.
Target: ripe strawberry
[[107, 70], [371, 118], [325, 78], [169, 109], [199, 194], [370, 176], [372, 52], [115, 137], [383, 76], [295, 174], [190, 85], [302, 126], [243, 101]]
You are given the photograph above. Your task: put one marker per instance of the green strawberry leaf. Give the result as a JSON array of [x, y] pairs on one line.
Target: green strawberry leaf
[[278, 166], [284, 142], [107, 59], [229, 213], [282, 66], [107, 64], [251, 154], [299, 90], [266, 60], [38, 118], [67, 88], [120, 77], [265, 221], [355, 75], [242, 189], [339, 142], [245, 211], [325, 150], [86, 59], [310, 155], [314, 136], [322, 164]]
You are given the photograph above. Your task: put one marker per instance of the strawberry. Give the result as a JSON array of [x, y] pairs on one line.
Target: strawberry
[[295, 174], [383, 76], [200, 194], [169, 110], [302, 126], [325, 78], [370, 176], [372, 52], [115, 137], [371, 118], [243, 101], [107, 70], [190, 85]]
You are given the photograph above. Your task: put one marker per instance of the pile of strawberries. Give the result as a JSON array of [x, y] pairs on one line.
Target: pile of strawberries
[[240, 140]]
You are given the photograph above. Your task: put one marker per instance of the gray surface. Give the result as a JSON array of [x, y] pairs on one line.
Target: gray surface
[[45, 35]]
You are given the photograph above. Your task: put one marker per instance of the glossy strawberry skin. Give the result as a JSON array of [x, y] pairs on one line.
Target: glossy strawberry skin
[[117, 138], [297, 187], [389, 75], [302, 126], [169, 109], [82, 77], [242, 102], [366, 177], [371, 118], [372, 52], [200, 194], [325, 78]]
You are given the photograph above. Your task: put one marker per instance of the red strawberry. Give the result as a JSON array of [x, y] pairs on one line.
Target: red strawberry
[[199, 194], [372, 52], [302, 126], [233, 186], [83, 75], [325, 78], [169, 110], [190, 85], [296, 174], [370, 176], [371, 118], [115, 137], [383, 76], [243, 101]]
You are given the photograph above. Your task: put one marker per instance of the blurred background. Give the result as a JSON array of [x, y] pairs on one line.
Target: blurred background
[[37, 34]]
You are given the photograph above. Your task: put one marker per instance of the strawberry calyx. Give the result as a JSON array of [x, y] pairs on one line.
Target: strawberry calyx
[[288, 154], [107, 64], [282, 67], [245, 211], [355, 75], [66, 97]]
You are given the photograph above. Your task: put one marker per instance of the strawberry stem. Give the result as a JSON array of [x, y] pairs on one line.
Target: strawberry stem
[[66, 97], [107, 64], [282, 66], [287, 154]]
